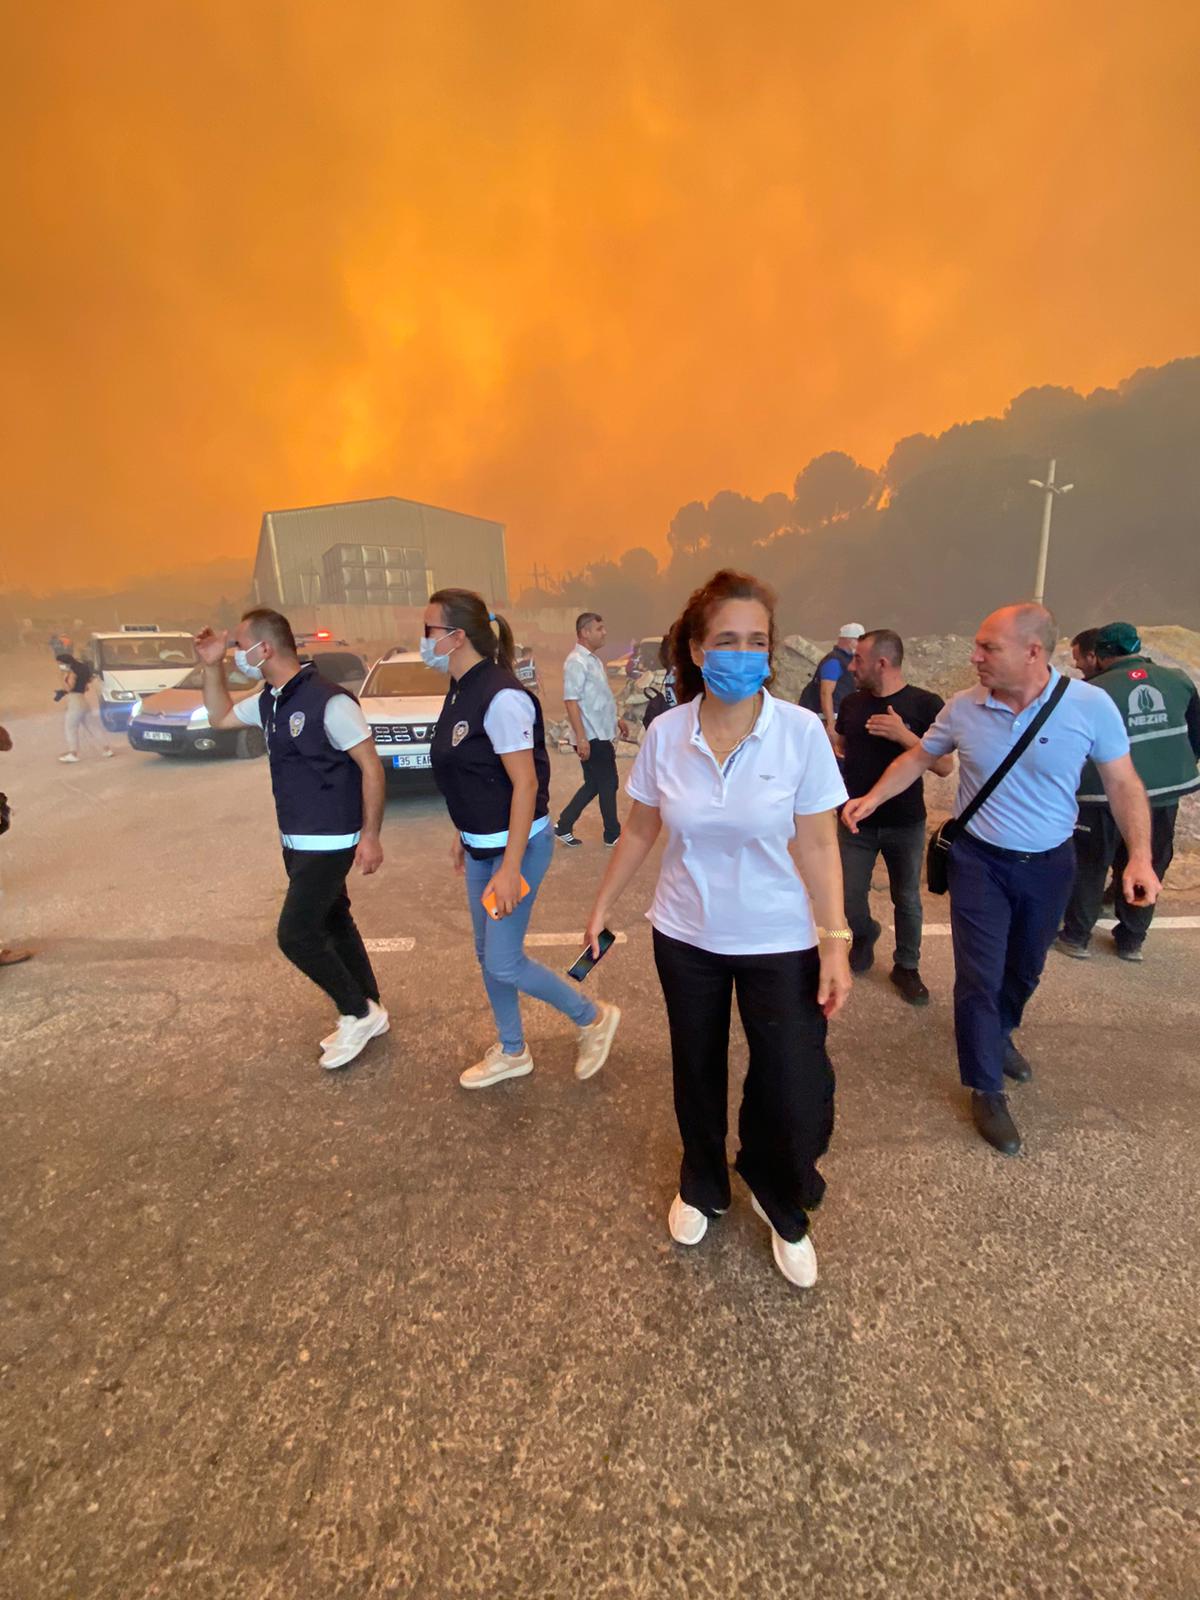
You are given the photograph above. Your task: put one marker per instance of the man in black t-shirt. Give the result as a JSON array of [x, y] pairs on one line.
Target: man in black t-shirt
[[882, 717]]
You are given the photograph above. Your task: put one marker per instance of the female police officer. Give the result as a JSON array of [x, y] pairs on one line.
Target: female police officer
[[489, 760]]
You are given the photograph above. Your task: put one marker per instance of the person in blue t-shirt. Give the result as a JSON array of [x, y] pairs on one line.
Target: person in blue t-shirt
[[833, 681]]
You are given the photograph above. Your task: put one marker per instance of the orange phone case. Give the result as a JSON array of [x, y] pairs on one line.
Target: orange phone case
[[488, 901]]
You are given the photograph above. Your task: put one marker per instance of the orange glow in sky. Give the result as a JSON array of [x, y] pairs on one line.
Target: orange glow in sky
[[566, 265]]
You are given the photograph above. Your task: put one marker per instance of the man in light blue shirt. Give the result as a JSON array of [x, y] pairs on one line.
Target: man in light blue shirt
[[1011, 869]]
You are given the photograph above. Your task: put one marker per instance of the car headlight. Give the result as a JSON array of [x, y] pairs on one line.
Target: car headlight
[[122, 695], [198, 718], [135, 710]]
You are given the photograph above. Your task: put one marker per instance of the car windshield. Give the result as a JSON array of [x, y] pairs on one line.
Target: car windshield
[[234, 678], [403, 678], [134, 650], [340, 668]]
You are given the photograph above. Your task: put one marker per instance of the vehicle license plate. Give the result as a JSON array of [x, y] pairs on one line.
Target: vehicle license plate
[[164, 738], [421, 760]]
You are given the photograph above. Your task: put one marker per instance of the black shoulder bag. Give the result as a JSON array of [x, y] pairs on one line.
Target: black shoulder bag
[[937, 853]]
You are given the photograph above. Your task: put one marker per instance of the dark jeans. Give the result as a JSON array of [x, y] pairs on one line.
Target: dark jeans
[[1005, 910], [317, 932], [1099, 846], [903, 850], [786, 1117], [599, 779]]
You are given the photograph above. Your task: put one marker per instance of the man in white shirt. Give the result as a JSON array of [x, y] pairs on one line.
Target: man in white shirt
[[592, 713]]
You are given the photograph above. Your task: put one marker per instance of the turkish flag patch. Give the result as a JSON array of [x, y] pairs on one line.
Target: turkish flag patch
[[1137, 672]]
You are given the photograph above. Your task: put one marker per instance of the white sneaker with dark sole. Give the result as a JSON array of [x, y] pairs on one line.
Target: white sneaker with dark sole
[[495, 1067], [685, 1223], [353, 1035], [797, 1262], [595, 1041], [331, 1038], [68, 757]]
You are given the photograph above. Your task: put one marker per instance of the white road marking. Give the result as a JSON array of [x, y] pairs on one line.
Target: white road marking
[[575, 939], [382, 947], [1160, 924]]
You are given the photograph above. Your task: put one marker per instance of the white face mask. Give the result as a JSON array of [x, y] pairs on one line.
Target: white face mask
[[244, 666], [432, 657]]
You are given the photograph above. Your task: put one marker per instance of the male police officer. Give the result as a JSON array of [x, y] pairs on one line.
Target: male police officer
[[1161, 710], [833, 681], [329, 793]]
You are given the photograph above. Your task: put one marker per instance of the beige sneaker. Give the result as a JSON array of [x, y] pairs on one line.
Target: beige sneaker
[[595, 1041], [495, 1067], [685, 1224]]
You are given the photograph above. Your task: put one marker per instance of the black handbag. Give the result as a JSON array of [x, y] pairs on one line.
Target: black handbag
[[937, 852]]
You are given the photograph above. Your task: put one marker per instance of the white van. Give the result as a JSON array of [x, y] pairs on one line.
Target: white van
[[136, 661]]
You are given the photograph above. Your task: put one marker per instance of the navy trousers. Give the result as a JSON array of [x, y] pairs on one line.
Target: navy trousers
[[1005, 911]]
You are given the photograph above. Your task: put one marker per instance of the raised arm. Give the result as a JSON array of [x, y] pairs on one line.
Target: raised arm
[[211, 648], [901, 775]]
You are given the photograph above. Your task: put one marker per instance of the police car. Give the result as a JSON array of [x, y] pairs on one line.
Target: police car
[[401, 700], [174, 721]]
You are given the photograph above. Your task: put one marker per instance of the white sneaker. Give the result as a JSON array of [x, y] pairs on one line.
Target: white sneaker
[[106, 752], [353, 1035], [686, 1224], [495, 1067], [70, 756], [797, 1262], [332, 1038], [595, 1041]]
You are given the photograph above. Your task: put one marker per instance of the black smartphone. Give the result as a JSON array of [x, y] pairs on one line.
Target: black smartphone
[[584, 963]]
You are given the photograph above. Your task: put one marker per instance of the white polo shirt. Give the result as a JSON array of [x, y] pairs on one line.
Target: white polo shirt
[[586, 681], [728, 882]]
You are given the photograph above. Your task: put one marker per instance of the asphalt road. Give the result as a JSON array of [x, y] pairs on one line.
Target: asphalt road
[[274, 1332]]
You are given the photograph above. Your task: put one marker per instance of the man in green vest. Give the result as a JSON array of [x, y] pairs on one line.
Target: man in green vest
[[1161, 709]]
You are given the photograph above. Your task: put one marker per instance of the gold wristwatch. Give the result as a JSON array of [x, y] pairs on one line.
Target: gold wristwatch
[[836, 933]]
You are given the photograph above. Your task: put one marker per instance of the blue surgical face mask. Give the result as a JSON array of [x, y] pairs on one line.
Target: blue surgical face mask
[[734, 675], [243, 666], [432, 658]]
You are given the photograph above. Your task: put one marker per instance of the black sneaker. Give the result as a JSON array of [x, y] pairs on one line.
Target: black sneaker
[[908, 981], [611, 844], [566, 838], [1128, 952], [991, 1118], [1068, 947], [862, 951]]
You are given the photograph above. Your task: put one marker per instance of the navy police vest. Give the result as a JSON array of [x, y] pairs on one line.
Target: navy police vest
[[471, 776], [318, 789]]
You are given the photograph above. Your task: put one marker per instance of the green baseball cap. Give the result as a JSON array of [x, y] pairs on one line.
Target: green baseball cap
[[1118, 639]]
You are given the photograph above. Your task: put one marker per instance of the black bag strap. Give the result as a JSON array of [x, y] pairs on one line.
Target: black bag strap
[[982, 795]]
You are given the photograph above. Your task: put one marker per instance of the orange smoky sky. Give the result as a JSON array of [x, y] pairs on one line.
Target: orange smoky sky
[[564, 264]]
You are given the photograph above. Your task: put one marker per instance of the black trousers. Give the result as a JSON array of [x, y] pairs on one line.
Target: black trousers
[[903, 851], [317, 933], [786, 1116], [599, 780], [1099, 846]]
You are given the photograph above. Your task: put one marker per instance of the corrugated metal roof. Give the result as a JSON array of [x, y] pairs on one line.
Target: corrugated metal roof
[[459, 549]]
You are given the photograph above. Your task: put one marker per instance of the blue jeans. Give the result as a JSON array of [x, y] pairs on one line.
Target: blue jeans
[[508, 972], [1005, 910]]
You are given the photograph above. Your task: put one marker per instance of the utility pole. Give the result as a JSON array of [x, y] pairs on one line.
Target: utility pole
[[1049, 489]]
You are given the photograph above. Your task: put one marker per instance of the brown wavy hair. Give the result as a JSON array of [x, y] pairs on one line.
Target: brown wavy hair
[[463, 608], [727, 584]]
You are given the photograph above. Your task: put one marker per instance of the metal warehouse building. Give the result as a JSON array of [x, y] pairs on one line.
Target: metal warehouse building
[[386, 552]]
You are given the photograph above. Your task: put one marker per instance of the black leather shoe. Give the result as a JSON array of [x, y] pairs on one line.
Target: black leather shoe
[[908, 981], [990, 1113], [1015, 1065], [862, 951]]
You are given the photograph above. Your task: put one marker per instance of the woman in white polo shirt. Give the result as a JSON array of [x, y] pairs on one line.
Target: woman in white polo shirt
[[748, 790]]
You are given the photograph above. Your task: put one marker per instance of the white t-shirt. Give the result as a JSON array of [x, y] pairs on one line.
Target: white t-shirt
[[508, 722], [727, 882], [345, 724]]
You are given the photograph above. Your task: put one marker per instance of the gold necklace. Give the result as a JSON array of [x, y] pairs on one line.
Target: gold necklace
[[722, 753]]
